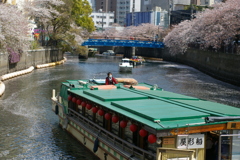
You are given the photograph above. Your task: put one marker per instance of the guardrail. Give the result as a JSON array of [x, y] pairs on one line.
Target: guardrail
[[109, 138], [123, 43]]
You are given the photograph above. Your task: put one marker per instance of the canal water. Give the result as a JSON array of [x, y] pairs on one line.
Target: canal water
[[29, 129]]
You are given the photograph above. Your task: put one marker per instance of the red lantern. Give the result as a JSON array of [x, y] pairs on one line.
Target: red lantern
[[152, 138], [123, 124], [79, 102], [143, 133], [83, 104], [133, 127], [94, 109], [74, 100], [100, 112], [115, 119], [107, 116], [69, 98], [89, 106]]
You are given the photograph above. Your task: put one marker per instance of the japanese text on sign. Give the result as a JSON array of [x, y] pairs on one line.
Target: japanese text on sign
[[191, 141]]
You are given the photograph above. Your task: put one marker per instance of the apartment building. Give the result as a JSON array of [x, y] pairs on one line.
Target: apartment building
[[102, 19], [124, 7]]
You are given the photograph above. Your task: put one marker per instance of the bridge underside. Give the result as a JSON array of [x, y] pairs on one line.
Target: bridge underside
[[123, 43]]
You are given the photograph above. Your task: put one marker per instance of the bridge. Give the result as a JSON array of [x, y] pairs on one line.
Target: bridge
[[123, 43]]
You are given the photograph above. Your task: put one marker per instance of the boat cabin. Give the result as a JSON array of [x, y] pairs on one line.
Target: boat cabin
[[145, 122]]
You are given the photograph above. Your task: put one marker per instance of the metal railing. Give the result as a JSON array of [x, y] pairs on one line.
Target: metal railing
[[129, 150]]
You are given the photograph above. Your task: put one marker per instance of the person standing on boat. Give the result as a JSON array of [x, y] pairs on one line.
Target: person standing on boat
[[110, 79]]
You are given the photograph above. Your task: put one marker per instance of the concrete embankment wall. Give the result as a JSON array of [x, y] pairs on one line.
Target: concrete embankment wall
[[31, 58], [223, 66]]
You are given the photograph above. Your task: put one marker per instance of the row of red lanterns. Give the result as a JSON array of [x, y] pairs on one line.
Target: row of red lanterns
[[123, 124]]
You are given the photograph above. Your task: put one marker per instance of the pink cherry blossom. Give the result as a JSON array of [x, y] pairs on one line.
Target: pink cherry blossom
[[215, 28], [14, 29]]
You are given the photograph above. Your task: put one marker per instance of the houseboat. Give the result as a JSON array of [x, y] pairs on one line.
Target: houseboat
[[144, 122], [125, 65]]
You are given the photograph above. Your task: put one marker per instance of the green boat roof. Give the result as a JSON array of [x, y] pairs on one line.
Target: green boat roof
[[151, 107]]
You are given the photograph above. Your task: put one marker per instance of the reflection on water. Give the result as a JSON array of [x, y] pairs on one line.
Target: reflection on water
[[29, 129]]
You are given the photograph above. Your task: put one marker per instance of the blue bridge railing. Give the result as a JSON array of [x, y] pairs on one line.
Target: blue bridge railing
[[123, 43]]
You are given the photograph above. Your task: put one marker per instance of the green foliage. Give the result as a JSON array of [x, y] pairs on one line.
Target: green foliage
[[34, 45], [195, 7], [81, 50], [72, 23], [81, 10]]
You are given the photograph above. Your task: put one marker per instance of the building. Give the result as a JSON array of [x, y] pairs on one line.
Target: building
[[92, 4], [159, 18], [106, 6], [102, 19], [209, 2], [150, 5], [124, 7]]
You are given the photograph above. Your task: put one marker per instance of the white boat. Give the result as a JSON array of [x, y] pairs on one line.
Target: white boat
[[109, 53], [125, 65]]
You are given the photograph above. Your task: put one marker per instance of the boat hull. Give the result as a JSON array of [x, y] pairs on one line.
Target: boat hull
[[81, 132], [125, 69]]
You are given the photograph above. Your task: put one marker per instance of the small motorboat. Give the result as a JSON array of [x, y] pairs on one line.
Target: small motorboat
[[125, 65], [137, 60]]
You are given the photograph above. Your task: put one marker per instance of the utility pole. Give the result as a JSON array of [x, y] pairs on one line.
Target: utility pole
[[133, 10], [170, 8], [101, 11], [102, 21], [191, 5], [106, 6]]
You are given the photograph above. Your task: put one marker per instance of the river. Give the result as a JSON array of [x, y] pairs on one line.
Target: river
[[29, 129]]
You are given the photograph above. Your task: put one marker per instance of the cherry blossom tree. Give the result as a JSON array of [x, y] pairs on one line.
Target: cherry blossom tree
[[215, 28], [13, 29], [110, 32], [145, 31], [63, 21]]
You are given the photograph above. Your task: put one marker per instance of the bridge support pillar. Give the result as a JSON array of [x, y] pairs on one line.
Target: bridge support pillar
[[133, 51], [129, 51]]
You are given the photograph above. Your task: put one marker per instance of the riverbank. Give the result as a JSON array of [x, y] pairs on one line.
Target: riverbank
[[25, 71], [222, 66], [29, 60]]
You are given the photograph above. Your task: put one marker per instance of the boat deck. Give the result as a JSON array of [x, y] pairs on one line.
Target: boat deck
[[154, 108]]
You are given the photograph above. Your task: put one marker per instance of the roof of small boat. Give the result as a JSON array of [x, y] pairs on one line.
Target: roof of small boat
[[149, 105]]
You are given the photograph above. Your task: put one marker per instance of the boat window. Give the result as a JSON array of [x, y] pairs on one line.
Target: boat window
[[229, 144], [89, 114], [152, 147], [128, 134], [115, 128], [72, 106], [99, 120]]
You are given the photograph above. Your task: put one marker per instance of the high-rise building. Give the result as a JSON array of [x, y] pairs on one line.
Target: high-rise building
[[150, 5], [106, 6], [158, 18], [124, 7]]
